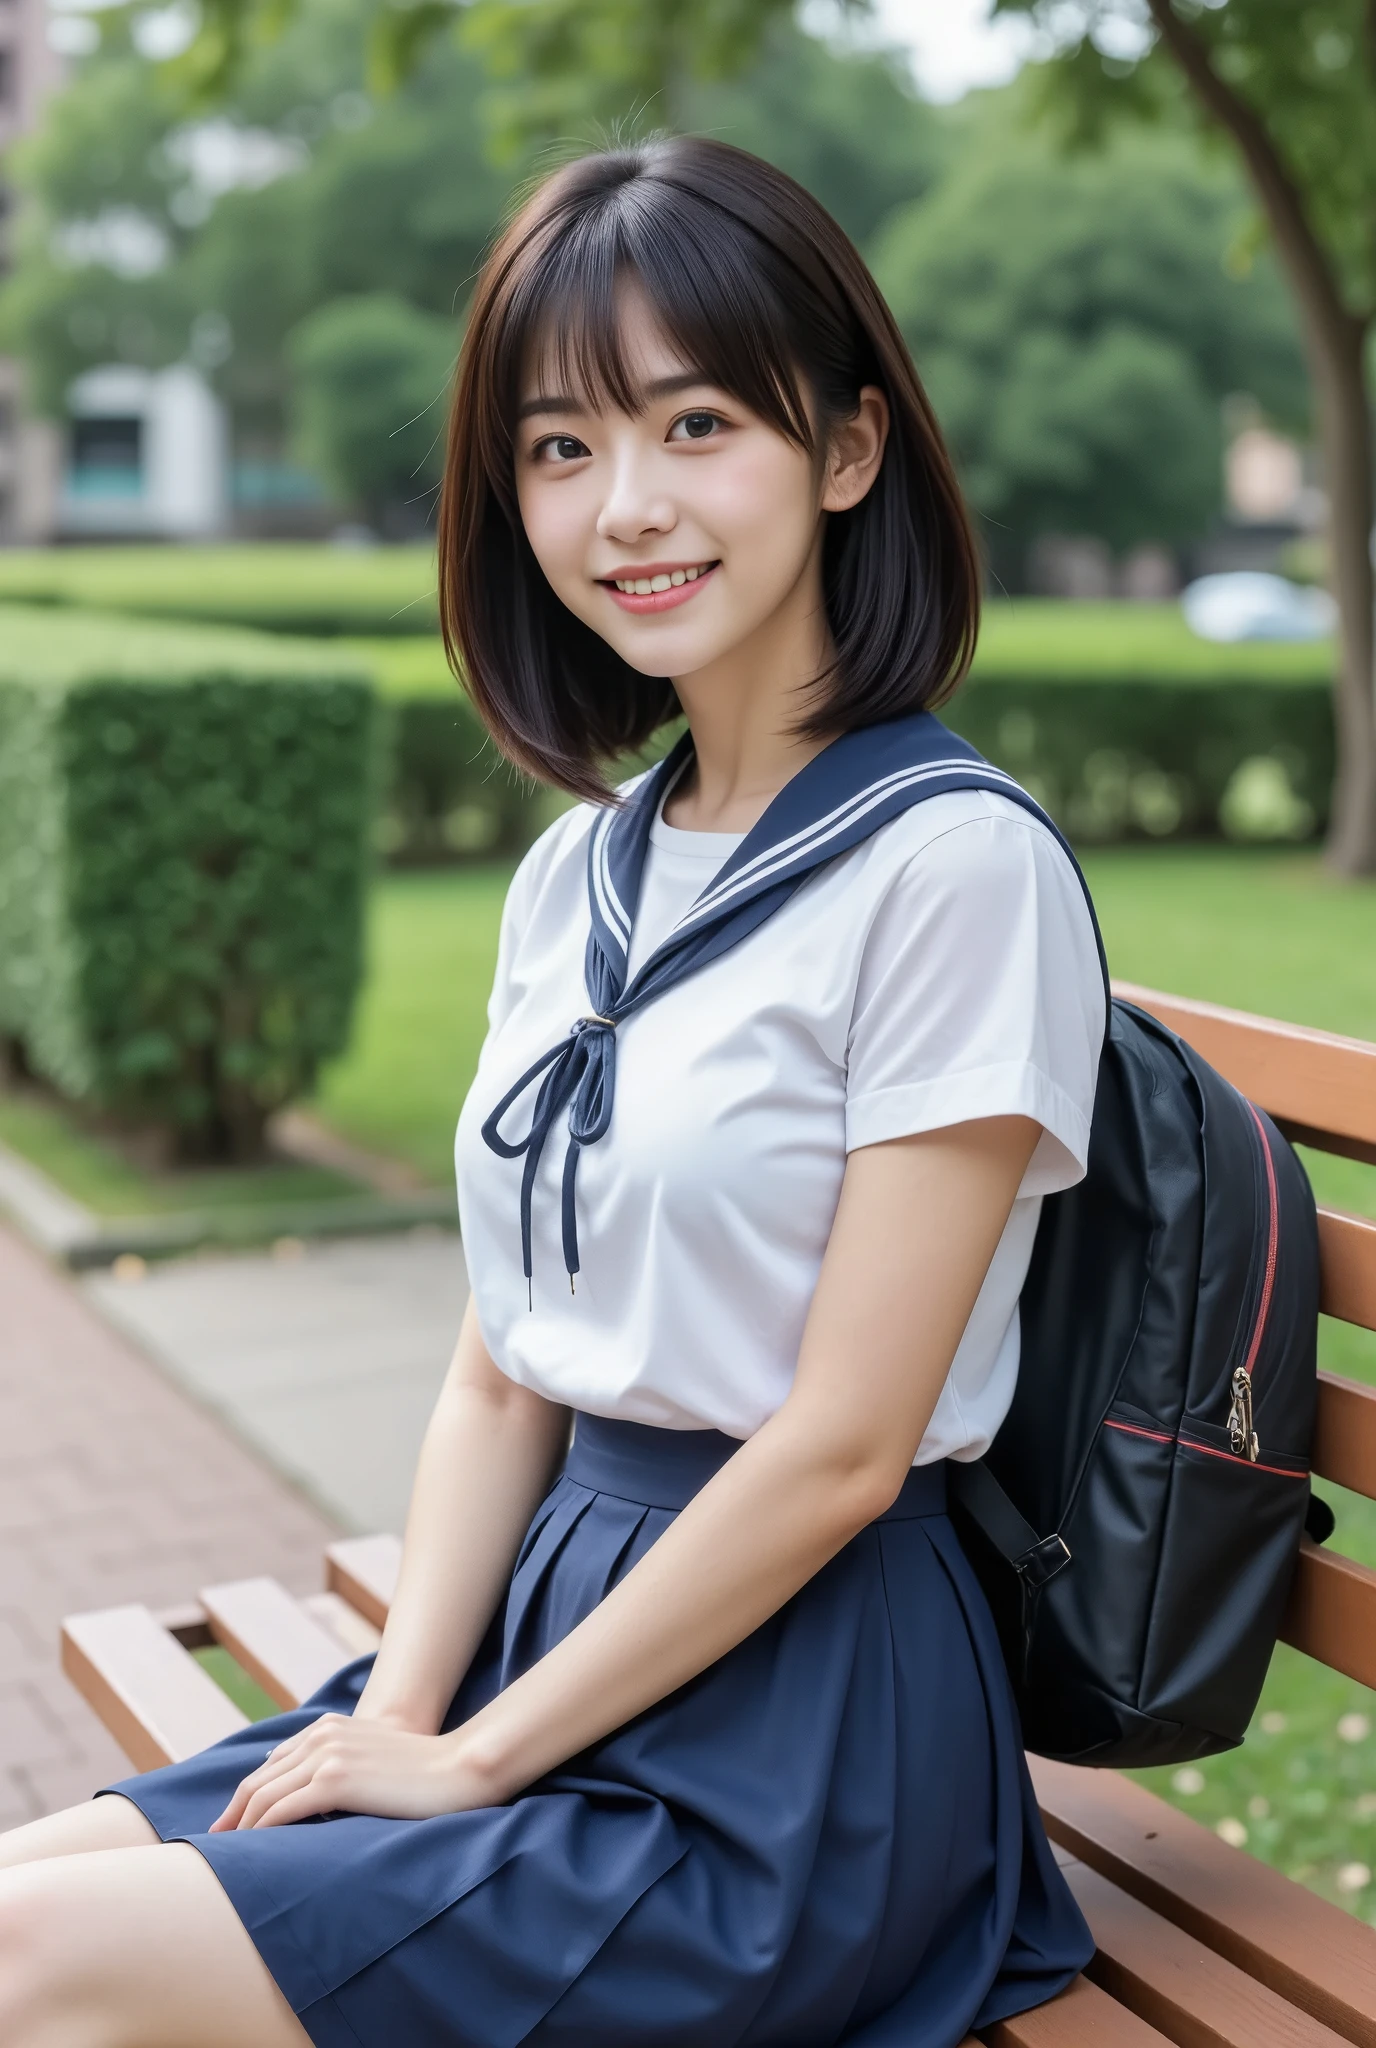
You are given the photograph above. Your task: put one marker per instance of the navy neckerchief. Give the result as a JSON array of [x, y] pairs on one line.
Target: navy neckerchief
[[855, 785]]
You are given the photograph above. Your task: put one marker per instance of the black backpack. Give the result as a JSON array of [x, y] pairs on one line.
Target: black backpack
[[1136, 1521]]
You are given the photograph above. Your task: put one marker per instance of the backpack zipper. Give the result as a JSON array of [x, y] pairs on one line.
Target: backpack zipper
[[1242, 1435]]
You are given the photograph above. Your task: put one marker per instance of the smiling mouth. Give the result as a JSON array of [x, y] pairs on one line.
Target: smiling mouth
[[658, 590]]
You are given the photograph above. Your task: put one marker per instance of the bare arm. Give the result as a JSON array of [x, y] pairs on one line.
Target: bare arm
[[916, 1227], [490, 1452]]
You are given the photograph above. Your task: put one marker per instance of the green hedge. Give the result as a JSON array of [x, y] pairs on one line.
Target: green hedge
[[184, 827], [1142, 759], [280, 587], [1234, 740]]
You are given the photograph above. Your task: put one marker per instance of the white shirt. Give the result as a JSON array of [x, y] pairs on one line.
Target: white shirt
[[944, 969]]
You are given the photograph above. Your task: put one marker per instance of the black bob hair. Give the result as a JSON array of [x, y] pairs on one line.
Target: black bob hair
[[759, 289]]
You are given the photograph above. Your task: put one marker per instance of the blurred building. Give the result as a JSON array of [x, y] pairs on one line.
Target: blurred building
[[30, 450], [146, 456]]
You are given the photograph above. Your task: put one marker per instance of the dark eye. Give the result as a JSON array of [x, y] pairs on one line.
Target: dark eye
[[695, 426], [560, 448]]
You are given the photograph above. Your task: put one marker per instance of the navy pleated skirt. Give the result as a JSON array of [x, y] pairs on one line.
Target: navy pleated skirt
[[827, 1837]]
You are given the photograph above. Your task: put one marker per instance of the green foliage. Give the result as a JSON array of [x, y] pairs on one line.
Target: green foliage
[[183, 848], [1309, 73], [372, 377], [846, 124], [1078, 330]]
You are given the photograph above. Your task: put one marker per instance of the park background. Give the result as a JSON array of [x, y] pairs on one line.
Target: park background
[[253, 845]]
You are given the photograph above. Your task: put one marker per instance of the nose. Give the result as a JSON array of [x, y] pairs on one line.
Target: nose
[[636, 502]]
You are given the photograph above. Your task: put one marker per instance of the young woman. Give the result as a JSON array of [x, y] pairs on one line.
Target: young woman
[[696, 1733]]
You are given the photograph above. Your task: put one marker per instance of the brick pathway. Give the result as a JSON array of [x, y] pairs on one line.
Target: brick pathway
[[113, 1487]]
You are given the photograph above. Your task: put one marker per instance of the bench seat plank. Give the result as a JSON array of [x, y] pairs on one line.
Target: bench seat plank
[[1305, 1950], [357, 1635], [1082, 2017], [1197, 1998], [363, 1570], [282, 1647], [1331, 1613], [156, 1700]]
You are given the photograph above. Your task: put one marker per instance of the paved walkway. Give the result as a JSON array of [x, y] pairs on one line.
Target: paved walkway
[[113, 1487], [328, 1362]]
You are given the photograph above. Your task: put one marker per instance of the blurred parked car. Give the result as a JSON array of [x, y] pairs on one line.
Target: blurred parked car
[[1249, 605]]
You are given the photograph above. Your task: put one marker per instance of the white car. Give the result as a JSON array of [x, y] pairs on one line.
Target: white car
[[1249, 605]]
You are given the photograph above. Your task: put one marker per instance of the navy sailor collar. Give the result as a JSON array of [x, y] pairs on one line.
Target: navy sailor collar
[[849, 790]]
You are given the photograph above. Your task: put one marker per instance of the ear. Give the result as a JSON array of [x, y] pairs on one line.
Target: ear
[[855, 452]]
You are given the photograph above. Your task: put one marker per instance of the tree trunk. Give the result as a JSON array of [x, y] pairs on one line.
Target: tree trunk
[[1346, 428], [1335, 342]]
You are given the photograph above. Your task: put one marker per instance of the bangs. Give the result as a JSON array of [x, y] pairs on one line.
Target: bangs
[[711, 302]]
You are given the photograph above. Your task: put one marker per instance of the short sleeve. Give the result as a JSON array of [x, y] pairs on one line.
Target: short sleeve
[[980, 993]]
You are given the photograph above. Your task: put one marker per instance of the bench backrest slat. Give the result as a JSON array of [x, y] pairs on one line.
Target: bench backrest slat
[[1331, 1613], [1313, 1078], [1345, 1437], [1347, 1248]]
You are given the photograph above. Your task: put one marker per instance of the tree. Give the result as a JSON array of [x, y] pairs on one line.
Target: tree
[[1293, 88], [373, 375], [1078, 331]]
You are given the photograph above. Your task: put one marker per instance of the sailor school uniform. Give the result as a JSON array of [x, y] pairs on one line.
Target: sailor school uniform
[[829, 1836]]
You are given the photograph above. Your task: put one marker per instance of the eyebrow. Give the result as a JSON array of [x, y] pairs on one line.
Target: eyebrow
[[560, 401]]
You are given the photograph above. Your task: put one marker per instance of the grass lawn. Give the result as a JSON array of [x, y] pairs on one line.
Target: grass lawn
[[432, 946], [93, 1169], [1264, 931]]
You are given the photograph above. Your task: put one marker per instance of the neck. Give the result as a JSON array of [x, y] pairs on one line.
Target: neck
[[741, 710]]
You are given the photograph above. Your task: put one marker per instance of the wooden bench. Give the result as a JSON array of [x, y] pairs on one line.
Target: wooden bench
[[1198, 1943]]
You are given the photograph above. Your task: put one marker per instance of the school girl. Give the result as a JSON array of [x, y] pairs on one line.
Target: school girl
[[694, 1734]]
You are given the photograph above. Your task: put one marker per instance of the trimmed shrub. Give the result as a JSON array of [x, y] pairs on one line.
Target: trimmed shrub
[[1136, 758], [1111, 757], [184, 828]]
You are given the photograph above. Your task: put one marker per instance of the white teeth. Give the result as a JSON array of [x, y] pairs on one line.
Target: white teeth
[[667, 579]]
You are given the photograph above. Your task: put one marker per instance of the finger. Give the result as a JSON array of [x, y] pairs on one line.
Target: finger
[[266, 1797], [284, 1757], [311, 1799]]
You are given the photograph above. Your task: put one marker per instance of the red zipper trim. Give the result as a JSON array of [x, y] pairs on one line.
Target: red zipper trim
[[1272, 1249], [1130, 1429], [1192, 1443]]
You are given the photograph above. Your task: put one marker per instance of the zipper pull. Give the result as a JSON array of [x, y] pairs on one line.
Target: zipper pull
[[1241, 1435]]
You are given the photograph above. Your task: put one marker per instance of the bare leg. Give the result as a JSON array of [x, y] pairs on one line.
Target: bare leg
[[132, 1948], [110, 1823]]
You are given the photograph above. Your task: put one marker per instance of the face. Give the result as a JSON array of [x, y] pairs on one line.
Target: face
[[677, 533]]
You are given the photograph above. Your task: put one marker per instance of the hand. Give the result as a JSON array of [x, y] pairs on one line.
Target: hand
[[351, 1764]]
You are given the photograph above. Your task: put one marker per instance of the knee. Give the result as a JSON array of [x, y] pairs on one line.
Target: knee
[[32, 2001]]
